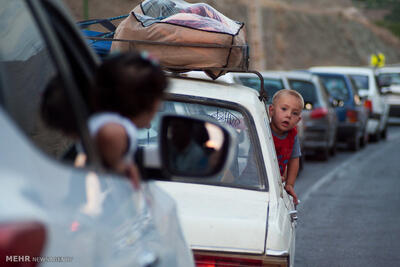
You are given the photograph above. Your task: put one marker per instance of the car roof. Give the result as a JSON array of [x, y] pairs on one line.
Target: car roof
[[218, 90], [227, 77], [300, 75], [265, 74], [343, 70], [388, 69]]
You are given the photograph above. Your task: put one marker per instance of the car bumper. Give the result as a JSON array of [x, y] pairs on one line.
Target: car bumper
[[394, 111], [347, 130], [315, 137]]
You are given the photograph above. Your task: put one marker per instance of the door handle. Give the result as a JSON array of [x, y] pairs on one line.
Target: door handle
[[293, 215]]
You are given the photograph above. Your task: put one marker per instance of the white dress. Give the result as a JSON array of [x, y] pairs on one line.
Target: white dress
[[98, 120]]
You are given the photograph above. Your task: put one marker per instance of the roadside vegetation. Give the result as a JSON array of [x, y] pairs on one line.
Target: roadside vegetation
[[391, 20]]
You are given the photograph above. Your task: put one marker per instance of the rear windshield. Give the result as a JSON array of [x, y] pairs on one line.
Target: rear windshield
[[270, 85], [243, 171], [306, 89], [336, 86], [361, 81], [393, 78]]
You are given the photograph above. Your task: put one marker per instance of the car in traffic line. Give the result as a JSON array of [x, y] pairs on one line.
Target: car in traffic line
[[350, 111], [86, 216], [319, 123], [243, 217], [389, 80], [364, 79]]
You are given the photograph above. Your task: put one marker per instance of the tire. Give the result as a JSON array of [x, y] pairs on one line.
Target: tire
[[364, 139], [375, 137], [354, 144], [384, 133], [323, 154], [333, 149]]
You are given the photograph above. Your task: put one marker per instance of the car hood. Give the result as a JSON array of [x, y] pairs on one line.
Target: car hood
[[221, 218]]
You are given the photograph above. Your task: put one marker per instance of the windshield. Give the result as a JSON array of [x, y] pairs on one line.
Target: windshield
[[336, 86], [361, 81], [306, 89], [270, 85], [243, 171]]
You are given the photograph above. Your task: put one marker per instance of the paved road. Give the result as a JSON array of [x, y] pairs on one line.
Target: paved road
[[350, 209]]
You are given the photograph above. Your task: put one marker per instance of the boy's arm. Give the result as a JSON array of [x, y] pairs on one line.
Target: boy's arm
[[292, 170]]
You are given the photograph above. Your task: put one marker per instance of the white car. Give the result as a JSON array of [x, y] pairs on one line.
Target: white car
[[365, 80], [243, 217], [389, 78], [52, 213]]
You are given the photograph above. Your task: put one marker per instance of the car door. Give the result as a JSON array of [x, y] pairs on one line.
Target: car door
[[92, 217]]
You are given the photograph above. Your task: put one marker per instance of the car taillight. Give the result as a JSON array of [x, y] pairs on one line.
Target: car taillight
[[318, 113], [218, 261], [352, 116], [368, 105], [215, 259], [20, 243]]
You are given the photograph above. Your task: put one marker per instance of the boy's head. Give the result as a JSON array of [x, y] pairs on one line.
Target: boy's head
[[131, 84], [285, 110]]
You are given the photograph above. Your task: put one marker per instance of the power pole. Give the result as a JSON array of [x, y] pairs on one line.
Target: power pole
[[257, 54]]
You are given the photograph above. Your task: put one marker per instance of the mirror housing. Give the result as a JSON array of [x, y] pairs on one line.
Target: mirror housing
[[194, 147]]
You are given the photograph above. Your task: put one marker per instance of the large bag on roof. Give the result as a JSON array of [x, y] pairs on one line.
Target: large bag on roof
[[167, 24]]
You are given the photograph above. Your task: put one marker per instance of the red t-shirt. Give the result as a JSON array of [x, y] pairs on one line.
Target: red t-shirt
[[284, 148]]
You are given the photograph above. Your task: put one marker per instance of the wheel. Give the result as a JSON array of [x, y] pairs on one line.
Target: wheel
[[333, 149], [323, 154], [364, 139], [375, 137], [354, 144], [384, 133]]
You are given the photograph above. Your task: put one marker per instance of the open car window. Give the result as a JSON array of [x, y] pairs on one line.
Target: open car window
[[27, 68], [243, 171]]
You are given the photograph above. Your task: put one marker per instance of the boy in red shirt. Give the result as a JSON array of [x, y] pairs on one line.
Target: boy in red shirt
[[285, 113]]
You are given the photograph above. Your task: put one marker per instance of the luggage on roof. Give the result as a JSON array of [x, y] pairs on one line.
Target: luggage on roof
[[183, 35]]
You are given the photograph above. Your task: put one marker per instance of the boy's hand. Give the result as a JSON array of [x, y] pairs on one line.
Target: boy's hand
[[290, 190]]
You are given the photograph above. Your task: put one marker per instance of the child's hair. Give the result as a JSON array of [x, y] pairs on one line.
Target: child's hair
[[282, 92], [55, 107], [129, 84]]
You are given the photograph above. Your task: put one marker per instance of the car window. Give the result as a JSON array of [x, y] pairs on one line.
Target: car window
[[361, 81], [393, 78], [306, 89], [26, 69], [243, 172], [270, 84], [336, 86]]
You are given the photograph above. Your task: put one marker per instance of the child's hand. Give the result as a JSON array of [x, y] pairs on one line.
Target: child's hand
[[131, 171], [290, 190]]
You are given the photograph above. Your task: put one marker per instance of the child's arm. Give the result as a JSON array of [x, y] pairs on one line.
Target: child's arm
[[292, 170], [112, 143]]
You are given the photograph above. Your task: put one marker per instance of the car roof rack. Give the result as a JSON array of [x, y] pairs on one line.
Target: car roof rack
[[241, 69], [263, 93]]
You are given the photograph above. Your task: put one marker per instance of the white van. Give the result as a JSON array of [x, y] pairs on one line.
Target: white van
[[389, 78]]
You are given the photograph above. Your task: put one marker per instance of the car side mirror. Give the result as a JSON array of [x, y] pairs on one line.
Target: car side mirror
[[194, 147]]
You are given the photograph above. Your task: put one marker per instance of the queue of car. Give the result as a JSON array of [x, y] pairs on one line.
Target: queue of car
[[232, 210]]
